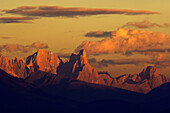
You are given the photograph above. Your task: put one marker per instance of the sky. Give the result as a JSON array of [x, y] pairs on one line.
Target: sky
[[105, 28]]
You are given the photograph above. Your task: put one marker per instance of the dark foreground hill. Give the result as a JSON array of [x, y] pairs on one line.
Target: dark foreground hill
[[44, 92]]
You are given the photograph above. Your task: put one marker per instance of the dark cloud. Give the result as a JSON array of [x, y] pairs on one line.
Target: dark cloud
[[22, 48], [165, 49], [5, 37], [6, 20], [145, 24], [105, 63], [58, 11], [92, 60], [99, 34], [161, 61]]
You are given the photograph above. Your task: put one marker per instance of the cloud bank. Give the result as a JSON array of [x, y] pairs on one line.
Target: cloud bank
[[58, 11], [106, 63], [6, 37], [126, 40], [145, 24], [161, 61], [4, 20], [99, 34], [22, 48]]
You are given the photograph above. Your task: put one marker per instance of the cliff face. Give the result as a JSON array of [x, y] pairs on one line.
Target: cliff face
[[4, 63], [40, 61], [15, 67], [43, 61], [143, 82], [18, 67], [79, 68]]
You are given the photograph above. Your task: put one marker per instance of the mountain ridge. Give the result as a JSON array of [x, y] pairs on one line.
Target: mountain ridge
[[79, 68]]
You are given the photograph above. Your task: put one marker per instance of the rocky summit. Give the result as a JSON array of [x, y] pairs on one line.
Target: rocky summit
[[43, 61], [78, 67]]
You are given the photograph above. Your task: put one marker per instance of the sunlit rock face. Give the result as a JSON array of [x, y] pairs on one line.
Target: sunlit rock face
[[81, 67], [15, 67], [19, 67], [106, 79], [43, 61], [78, 67], [152, 75], [4, 63], [144, 82]]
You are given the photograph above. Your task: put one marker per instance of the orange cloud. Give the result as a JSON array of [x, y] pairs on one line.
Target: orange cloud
[[16, 20], [58, 11], [22, 48], [146, 24], [125, 41]]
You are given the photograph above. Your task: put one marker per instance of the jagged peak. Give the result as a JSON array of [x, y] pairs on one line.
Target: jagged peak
[[41, 55], [149, 71], [82, 56], [83, 53], [42, 51], [2, 56]]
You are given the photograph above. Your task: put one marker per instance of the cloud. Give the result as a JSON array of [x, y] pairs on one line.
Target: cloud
[[127, 41], [106, 63], [145, 24], [22, 48], [6, 37], [1, 14], [159, 63], [58, 11], [163, 63], [63, 55], [38, 45], [99, 34], [5, 20]]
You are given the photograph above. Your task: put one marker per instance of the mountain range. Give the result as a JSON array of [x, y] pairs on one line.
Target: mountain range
[[78, 67], [44, 83]]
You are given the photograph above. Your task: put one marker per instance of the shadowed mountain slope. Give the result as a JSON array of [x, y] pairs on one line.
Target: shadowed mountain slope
[[43, 92], [19, 96]]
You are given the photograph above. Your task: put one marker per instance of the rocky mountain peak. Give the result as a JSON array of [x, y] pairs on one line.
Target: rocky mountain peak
[[42, 51], [44, 61], [4, 63], [149, 72], [81, 56]]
